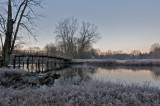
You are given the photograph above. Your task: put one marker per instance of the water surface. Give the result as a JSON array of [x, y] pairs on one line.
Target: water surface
[[140, 75]]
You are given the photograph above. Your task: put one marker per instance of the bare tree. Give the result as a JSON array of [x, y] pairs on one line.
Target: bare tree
[[135, 52], [18, 47], [88, 35], [75, 40], [66, 31], [18, 11], [155, 51], [51, 48], [154, 46], [34, 49]]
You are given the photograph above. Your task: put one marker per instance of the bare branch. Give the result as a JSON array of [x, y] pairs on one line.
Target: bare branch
[[29, 18], [32, 11], [3, 23], [2, 32], [25, 27], [36, 3], [18, 24], [1, 41], [19, 8]]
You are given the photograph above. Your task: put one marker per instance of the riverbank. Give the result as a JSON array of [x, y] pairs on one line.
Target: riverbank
[[113, 62], [33, 92]]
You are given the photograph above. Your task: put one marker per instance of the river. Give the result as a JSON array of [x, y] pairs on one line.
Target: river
[[117, 74], [128, 75]]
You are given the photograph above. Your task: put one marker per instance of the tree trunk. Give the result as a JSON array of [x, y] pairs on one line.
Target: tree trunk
[[7, 45]]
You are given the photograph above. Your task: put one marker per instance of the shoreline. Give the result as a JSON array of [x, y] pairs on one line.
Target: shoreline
[[113, 62]]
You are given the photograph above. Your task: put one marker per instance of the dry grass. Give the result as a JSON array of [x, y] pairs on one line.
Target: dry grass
[[143, 62], [93, 93]]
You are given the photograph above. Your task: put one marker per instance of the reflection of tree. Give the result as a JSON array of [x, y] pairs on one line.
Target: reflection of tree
[[156, 73], [154, 70], [76, 74]]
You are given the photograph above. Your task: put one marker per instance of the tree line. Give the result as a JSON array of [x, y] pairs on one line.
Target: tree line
[[92, 53]]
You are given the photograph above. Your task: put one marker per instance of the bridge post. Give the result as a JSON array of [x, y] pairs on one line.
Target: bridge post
[[51, 64], [38, 65], [28, 63], [42, 64], [23, 64], [55, 63], [19, 61], [14, 62], [32, 65], [47, 64]]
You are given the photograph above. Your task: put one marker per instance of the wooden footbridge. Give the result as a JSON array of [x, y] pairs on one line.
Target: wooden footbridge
[[38, 60]]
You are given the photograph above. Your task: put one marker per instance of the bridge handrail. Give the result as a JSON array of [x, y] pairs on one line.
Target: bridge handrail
[[37, 53]]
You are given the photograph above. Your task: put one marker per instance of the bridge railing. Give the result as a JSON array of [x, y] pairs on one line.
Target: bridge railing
[[37, 53], [29, 52]]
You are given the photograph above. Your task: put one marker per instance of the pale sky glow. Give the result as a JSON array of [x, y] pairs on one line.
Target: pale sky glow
[[123, 24]]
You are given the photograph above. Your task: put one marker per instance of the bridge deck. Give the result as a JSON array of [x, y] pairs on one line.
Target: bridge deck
[[39, 54]]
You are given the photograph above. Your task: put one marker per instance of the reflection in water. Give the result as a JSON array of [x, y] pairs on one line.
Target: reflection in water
[[76, 74], [43, 67], [154, 71], [82, 73], [129, 74]]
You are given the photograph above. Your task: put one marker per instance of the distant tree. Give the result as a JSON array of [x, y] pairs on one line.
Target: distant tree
[[135, 54], [94, 53], [88, 35], [66, 35], [11, 20], [51, 48], [18, 47], [155, 51], [154, 46], [76, 40], [34, 49]]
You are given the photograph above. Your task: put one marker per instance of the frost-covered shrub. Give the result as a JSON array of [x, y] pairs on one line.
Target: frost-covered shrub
[[12, 77], [84, 94], [17, 78], [12, 71]]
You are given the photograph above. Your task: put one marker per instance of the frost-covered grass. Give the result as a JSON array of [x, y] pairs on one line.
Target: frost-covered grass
[[12, 71], [85, 94], [69, 93], [134, 62], [12, 77], [19, 79]]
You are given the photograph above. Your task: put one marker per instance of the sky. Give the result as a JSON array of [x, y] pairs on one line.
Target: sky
[[125, 25]]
